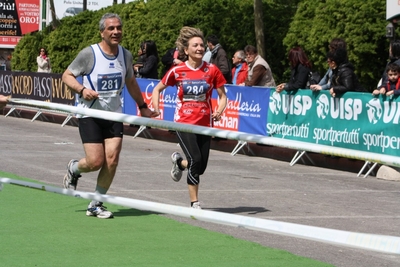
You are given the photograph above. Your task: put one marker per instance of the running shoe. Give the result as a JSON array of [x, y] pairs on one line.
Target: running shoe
[[196, 205], [99, 211], [176, 172], [71, 179]]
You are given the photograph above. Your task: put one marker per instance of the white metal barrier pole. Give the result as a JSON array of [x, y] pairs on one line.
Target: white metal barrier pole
[[266, 140]]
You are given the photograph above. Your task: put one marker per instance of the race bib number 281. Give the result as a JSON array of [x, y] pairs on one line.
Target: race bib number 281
[[109, 82]]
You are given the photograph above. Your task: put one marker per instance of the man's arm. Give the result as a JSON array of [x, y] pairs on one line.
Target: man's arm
[[134, 91], [69, 79], [81, 65], [258, 73]]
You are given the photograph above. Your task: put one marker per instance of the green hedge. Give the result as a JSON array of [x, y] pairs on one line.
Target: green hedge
[[288, 23]]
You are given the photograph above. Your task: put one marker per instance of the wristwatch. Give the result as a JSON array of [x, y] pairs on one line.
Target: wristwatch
[[81, 92], [144, 105]]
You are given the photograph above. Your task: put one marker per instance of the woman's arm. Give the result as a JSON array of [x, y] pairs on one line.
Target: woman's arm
[[346, 82], [42, 63], [155, 97], [299, 78], [221, 104]]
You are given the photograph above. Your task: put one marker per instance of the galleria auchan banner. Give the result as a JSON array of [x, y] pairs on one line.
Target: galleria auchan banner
[[356, 121], [17, 17]]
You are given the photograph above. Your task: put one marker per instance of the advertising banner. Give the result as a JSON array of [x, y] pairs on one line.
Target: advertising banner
[[357, 121], [17, 17], [67, 8], [392, 9], [38, 86], [246, 111]]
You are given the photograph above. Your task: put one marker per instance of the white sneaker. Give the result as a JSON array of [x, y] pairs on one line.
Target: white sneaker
[[70, 179], [176, 173], [196, 205], [99, 211]]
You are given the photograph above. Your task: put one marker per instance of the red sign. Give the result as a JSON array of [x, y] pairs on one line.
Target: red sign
[[18, 17]]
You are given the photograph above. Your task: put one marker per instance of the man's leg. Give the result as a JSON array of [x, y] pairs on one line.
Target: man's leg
[[91, 132], [112, 149], [93, 160]]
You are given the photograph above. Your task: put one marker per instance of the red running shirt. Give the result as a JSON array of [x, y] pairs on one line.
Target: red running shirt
[[193, 101]]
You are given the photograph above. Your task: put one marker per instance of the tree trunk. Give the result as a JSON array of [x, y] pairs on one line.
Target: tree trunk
[[259, 27], [84, 5], [115, 2]]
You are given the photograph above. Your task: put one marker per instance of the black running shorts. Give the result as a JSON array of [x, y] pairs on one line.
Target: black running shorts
[[93, 130]]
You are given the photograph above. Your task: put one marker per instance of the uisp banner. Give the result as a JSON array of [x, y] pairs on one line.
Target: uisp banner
[[353, 120]]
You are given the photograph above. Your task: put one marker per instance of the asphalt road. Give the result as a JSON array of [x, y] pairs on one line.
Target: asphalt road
[[244, 185]]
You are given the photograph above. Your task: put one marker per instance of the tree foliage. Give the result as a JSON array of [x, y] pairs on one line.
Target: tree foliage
[[311, 24], [360, 23]]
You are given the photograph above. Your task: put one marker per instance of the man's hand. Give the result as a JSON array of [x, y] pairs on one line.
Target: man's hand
[[146, 112], [3, 101], [89, 94]]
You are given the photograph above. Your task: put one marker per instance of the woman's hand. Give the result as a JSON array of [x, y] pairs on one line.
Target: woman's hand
[[315, 87], [216, 115], [333, 94], [280, 87]]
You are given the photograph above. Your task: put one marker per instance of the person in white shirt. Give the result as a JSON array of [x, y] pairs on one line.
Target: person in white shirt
[[105, 68]]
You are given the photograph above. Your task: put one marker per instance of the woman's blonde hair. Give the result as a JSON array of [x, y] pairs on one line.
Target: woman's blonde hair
[[185, 34]]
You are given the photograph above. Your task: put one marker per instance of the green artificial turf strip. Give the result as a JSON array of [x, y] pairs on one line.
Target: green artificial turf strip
[[39, 228]]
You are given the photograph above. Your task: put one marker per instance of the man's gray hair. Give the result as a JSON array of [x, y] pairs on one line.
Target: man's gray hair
[[102, 25], [241, 55]]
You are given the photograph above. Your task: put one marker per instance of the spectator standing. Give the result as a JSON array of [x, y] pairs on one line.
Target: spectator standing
[[43, 61], [343, 77], [219, 57], [140, 60], [260, 73], [207, 56], [392, 87], [170, 58], [195, 80], [240, 68], [325, 82], [150, 64], [105, 63], [300, 69]]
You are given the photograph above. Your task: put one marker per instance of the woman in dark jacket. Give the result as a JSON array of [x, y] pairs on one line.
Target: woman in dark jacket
[[150, 64], [300, 69], [343, 77]]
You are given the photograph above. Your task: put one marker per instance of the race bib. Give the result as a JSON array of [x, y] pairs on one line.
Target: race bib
[[195, 90], [109, 84]]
